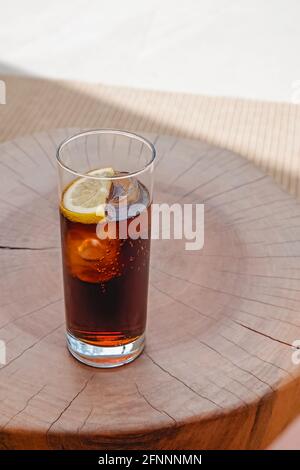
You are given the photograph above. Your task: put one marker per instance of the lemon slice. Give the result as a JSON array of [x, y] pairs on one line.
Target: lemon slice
[[85, 198]]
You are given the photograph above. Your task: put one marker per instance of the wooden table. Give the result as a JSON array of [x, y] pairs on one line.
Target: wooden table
[[217, 371]]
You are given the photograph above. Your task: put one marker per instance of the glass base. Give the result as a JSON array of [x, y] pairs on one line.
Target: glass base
[[98, 356]]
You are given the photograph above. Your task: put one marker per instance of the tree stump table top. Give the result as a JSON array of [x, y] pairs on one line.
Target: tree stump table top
[[217, 371]]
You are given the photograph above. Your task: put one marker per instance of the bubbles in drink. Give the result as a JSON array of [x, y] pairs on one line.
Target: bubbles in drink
[[88, 258], [93, 259], [106, 280]]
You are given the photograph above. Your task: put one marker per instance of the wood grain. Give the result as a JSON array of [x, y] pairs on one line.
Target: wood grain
[[217, 370]]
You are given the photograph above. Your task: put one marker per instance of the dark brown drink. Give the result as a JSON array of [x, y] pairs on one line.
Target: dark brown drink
[[106, 281]]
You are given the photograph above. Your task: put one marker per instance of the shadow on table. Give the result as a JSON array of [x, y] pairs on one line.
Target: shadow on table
[[36, 104]]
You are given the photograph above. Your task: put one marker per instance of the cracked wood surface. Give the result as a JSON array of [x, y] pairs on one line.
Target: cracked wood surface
[[217, 370]]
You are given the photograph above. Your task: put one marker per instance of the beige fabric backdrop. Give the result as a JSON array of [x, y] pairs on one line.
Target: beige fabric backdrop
[[267, 133]]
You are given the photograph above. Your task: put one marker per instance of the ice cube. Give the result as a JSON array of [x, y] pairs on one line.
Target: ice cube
[[90, 249], [90, 259], [124, 191]]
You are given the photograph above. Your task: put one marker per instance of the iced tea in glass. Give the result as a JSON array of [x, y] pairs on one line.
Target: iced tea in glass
[[106, 180]]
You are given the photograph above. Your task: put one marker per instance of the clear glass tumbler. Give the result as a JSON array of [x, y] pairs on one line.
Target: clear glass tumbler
[[105, 184]]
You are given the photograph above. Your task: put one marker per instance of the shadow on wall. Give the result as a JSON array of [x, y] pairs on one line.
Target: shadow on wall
[[256, 130]]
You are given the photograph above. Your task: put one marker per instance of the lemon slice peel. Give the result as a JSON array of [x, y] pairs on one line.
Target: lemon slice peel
[[84, 199]]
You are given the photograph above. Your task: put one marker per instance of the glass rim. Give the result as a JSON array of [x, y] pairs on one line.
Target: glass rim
[[125, 133]]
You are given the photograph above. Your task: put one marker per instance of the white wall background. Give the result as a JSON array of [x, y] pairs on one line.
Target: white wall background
[[246, 48]]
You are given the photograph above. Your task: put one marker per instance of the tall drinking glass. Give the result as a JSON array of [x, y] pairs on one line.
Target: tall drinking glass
[[105, 184]]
